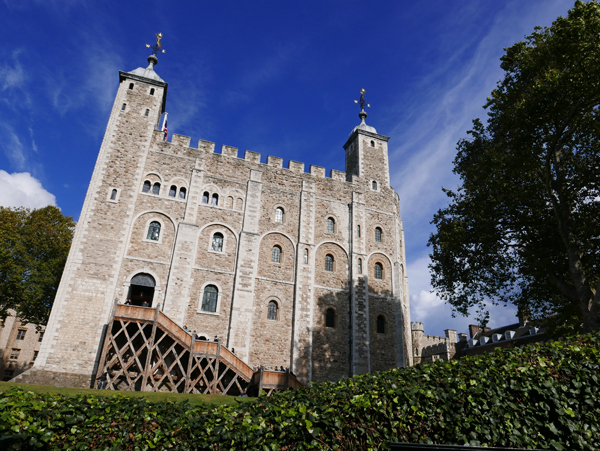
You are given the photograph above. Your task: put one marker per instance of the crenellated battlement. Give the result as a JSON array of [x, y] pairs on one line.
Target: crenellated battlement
[[252, 157]]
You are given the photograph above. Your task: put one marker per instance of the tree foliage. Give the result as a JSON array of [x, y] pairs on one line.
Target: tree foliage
[[34, 245], [524, 225]]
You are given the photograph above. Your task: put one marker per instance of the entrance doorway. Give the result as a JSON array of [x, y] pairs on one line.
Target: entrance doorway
[[141, 290]]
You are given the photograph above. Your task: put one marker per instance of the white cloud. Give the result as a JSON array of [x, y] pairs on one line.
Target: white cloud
[[23, 190], [435, 314], [12, 76], [13, 147]]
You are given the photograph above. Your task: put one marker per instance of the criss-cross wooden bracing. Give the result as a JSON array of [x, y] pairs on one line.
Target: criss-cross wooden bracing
[[144, 350]]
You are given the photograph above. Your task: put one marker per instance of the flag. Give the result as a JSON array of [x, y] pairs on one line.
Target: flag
[[165, 130]]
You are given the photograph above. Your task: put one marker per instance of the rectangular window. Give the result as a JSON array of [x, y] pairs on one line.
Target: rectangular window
[[21, 334], [41, 336], [14, 354], [35, 354]]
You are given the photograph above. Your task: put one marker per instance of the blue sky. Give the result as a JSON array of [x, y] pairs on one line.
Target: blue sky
[[273, 77]]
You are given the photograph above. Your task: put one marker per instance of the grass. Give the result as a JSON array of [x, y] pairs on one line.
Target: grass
[[150, 396]]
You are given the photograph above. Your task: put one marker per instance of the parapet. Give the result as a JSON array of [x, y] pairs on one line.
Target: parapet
[[276, 162], [181, 140], [228, 151], [253, 157], [416, 325]]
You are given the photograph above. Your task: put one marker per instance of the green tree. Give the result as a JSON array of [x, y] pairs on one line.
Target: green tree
[[523, 226], [34, 245]]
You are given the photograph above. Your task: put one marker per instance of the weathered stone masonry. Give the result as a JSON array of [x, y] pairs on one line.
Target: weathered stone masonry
[[206, 198]]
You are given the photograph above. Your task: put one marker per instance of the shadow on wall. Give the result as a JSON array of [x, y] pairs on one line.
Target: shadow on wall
[[332, 339], [11, 368]]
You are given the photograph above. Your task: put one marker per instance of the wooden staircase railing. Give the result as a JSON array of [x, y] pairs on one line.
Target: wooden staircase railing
[[144, 350]]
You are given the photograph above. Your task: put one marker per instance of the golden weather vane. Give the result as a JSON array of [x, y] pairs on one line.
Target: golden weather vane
[[158, 46], [362, 100]]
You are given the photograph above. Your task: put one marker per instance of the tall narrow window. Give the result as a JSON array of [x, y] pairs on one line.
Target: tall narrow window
[[123, 107], [130, 85], [329, 262], [209, 300], [374, 185], [272, 310], [217, 242], [378, 271], [279, 215], [153, 231], [156, 189], [41, 336], [306, 256], [113, 194], [330, 225], [146, 188], [147, 113], [360, 265], [152, 91], [378, 234], [215, 199], [358, 230], [330, 318], [35, 354], [381, 324], [205, 197], [372, 143], [172, 191], [182, 192], [276, 254]]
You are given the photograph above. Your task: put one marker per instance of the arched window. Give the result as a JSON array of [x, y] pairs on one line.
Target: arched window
[[330, 225], [130, 85], [378, 271], [381, 324], [173, 191], [147, 112], [146, 188], [151, 91], [182, 192], [239, 204], [276, 254], [360, 265], [358, 230], [329, 262], [378, 234], [154, 231], [205, 197], [330, 318], [113, 195], [156, 189], [215, 199], [217, 242], [209, 299], [229, 202], [372, 143], [279, 215], [374, 185], [272, 310], [306, 256]]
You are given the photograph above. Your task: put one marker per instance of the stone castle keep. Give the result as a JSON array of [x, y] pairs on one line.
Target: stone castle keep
[[286, 267]]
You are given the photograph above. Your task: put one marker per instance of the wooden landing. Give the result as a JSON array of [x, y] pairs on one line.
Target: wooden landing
[[144, 350]]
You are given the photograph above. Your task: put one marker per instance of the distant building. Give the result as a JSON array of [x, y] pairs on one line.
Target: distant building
[[427, 348], [19, 346], [519, 334]]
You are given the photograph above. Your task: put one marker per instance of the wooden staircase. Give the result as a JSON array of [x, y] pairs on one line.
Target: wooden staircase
[[144, 350]]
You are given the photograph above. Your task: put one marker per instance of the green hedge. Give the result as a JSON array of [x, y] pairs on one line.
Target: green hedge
[[544, 397]]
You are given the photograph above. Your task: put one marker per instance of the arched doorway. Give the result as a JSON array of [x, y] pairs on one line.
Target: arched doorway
[[141, 290]]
